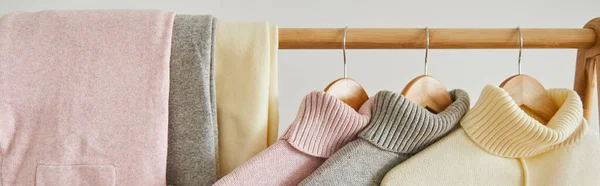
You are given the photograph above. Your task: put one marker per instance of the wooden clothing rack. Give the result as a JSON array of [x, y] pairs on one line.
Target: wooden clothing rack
[[585, 39]]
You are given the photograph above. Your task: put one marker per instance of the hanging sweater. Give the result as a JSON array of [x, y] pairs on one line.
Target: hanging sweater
[[323, 125], [500, 144], [192, 155], [398, 129], [246, 82], [84, 97]]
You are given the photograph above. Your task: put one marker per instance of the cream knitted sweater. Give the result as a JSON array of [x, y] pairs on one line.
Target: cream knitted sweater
[[500, 144]]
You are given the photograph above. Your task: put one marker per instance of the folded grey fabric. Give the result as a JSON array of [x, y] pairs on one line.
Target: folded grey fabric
[[192, 151], [398, 129]]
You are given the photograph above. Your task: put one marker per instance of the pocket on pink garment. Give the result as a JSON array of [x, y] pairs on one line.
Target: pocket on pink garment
[[75, 175]]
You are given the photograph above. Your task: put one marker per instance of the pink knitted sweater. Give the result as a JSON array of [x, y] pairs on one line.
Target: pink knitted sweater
[[84, 97], [323, 125]]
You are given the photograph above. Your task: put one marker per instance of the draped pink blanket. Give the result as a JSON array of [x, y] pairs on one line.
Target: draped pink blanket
[[83, 97]]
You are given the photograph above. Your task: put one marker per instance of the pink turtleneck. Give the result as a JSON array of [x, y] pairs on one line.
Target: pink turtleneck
[[323, 125]]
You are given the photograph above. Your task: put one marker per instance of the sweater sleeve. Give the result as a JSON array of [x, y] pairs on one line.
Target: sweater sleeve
[[358, 163], [280, 164]]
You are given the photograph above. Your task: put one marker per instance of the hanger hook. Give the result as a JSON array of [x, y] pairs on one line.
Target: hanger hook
[[426, 47], [344, 50], [520, 46]]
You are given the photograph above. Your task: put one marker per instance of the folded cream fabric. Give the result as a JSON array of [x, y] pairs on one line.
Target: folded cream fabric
[[192, 156], [246, 85], [84, 97]]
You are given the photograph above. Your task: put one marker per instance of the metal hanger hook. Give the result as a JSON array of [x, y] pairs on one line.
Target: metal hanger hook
[[426, 47], [344, 50], [520, 46]]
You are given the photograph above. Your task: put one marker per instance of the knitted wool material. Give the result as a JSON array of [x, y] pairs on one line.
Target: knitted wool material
[[84, 97], [192, 155], [501, 144], [398, 129], [323, 125]]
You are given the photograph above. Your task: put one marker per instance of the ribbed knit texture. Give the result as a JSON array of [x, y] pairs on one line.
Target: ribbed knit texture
[[398, 129], [399, 125], [500, 144], [499, 126], [192, 155], [323, 125]]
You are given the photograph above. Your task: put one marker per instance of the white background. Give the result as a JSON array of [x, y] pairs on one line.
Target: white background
[[301, 71]]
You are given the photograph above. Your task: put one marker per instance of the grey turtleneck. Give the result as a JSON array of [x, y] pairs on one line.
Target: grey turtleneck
[[192, 150], [398, 129]]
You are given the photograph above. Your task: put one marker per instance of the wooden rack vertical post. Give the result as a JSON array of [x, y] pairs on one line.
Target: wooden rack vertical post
[[584, 39], [586, 70]]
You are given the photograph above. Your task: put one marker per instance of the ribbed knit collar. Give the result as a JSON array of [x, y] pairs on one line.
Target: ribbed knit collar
[[401, 126], [324, 124], [498, 125]]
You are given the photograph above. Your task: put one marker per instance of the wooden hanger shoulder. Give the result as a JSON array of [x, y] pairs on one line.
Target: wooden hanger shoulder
[[349, 91], [528, 92], [428, 92]]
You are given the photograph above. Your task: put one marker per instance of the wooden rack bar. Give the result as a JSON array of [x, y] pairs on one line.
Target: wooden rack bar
[[583, 39], [442, 38]]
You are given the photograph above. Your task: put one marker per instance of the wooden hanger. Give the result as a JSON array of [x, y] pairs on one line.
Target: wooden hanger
[[426, 90], [528, 92], [349, 91], [346, 89]]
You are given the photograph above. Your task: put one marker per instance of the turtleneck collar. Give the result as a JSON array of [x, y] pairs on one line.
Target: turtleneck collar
[[498, 125], [324, 124], [401, 126]]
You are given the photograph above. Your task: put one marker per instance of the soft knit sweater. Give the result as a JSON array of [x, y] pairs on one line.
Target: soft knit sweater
[[500, 144], [192, 155], [84, 97], [246, 82], [323, 125], [398, 129]]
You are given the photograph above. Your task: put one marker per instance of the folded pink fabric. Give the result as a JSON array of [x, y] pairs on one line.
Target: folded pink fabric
[[323, 125], [84, 97]]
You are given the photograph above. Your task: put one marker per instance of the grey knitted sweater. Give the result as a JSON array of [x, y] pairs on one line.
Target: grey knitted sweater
[[192, 151], [398, 129]]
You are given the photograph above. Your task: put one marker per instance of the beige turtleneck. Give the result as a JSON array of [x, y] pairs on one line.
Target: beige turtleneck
[[500, 144]]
